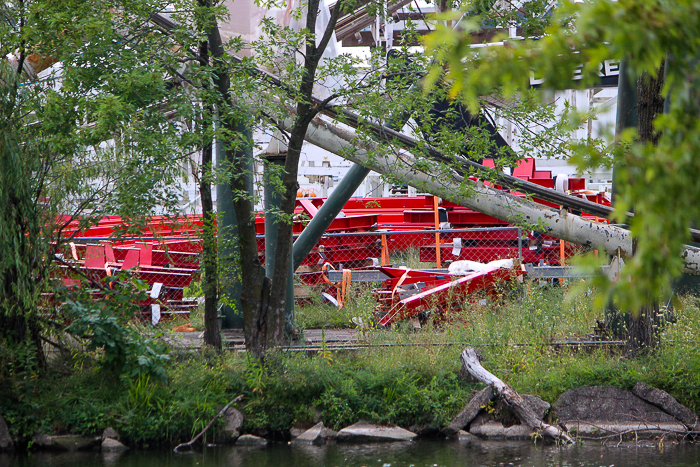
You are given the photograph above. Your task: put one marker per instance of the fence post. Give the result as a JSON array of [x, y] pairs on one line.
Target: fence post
[[385, 251], [520, 245], [438, 247]]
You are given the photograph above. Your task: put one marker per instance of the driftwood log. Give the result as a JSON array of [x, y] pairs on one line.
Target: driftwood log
[[471, 363], [469, 413]]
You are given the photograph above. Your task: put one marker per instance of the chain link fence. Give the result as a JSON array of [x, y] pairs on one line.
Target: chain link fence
[[170, 266], [434, 248]]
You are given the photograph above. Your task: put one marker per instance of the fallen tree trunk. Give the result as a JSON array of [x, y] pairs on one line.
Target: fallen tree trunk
[[445, 183], [495, 203], [470, 361]]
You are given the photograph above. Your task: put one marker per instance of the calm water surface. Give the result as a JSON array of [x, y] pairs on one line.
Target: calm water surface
[[412, 454]]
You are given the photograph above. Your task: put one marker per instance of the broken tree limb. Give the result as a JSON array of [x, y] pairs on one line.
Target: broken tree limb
[[470, 361], [447, 184], [469, 412], [218, 416]]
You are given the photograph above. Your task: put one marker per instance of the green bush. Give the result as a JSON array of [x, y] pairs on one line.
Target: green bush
[[104, 325]]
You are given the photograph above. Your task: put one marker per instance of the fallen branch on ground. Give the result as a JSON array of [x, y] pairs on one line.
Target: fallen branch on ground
[[219, 415], [470, 361]]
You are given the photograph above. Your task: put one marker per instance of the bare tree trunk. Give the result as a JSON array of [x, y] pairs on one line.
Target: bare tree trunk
[[210, 263], [479, 197], [210, 282]]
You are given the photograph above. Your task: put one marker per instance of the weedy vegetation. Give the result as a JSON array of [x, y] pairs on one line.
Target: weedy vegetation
[[416, 383]]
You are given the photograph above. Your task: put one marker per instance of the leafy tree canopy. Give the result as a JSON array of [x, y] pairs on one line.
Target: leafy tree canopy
[[661, 182]]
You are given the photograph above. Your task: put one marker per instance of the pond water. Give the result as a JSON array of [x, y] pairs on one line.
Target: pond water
[[412, 454]]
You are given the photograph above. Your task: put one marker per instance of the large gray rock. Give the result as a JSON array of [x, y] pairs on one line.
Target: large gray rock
[[112, 445], [327, 433], [667, 403], [479, 420], [495, 430], [313, 435], [506, 426], [607, 404], [6, 443], [250, 440], [44, 442], [537, 405], [77, 443], [233, 421], [367, 432], [466, 436], [469, 412]]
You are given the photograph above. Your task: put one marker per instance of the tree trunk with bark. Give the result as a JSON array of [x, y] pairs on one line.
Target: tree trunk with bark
[[643, 328], [263, 300], [305, 113], [254, 289], [210, 281], [643, 331], [650, 103]]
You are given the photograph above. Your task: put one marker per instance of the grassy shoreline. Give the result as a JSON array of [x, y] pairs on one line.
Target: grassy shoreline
[[418, 387]]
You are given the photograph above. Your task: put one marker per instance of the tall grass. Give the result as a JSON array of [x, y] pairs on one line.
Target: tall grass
[[323, 314], [409, 257]]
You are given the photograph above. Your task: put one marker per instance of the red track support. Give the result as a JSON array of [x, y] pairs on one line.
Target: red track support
[[444, 293]]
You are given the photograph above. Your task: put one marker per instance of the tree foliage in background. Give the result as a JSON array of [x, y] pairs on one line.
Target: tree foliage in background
[[88, 137], [661, 181], [131, 100]]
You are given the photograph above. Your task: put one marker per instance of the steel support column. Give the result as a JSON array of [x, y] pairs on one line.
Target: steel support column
[[274, 163], [228, 234], [627, 116], [327, 213], [337, 199]]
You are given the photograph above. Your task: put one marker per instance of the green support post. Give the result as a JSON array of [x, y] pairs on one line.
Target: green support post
[[327, 213], [228, 234], [337, 199], [627, 116], [272, 201]]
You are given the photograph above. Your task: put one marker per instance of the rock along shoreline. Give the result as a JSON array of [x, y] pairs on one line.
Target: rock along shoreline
[[586, 413]]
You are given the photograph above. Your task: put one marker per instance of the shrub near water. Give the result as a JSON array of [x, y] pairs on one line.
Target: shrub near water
[[413, 384], [412, 387]]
